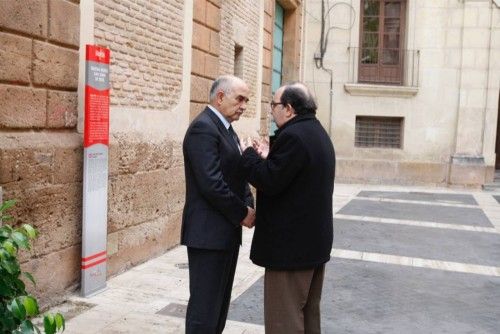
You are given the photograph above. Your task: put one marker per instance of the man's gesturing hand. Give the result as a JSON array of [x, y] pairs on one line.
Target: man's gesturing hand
[[249, 220], [262, 147]]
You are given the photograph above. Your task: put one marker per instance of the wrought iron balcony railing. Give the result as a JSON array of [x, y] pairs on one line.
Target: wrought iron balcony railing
[[384, 66]]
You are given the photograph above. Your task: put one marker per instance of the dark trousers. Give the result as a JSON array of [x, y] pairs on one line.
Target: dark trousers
[[292, 301], [211, 274]]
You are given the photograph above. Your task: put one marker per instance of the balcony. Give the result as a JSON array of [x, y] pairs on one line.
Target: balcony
[[383, 72]]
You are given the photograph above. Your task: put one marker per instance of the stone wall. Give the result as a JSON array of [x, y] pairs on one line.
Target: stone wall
[[205, 62], [219, 29], [449, 121], [146, 175], [40, 151], [267, 51], [145, 199], [479, 87]]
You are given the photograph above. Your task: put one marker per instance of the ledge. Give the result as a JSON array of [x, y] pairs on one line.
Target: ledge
[[464, 159], [380, 90]]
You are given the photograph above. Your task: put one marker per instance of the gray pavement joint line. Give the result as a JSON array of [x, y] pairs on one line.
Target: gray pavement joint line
[[246, 283], [392, 200], [490, 208], [417, 223], [416, 262], [493, 219]]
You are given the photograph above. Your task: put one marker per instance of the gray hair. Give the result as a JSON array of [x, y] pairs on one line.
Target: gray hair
[[223, 83]]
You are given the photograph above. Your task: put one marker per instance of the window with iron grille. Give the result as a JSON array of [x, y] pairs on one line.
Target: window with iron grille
[[385, 132], [381, 55]]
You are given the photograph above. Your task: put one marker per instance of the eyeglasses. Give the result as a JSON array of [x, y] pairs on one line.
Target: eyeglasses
[[274, 104]]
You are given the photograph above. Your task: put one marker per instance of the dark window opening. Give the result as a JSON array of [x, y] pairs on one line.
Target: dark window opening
[[384, 132], [238, 61]]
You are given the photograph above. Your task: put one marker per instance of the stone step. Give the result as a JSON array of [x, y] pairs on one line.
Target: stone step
[[495, 186]]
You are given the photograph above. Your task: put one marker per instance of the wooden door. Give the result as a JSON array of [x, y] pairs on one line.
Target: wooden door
[[381, 53]]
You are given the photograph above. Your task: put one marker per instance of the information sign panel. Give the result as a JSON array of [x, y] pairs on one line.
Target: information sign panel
[[95, 170]]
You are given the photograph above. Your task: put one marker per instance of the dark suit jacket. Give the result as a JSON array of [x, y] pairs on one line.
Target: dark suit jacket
[[294, 223], [217, 195]]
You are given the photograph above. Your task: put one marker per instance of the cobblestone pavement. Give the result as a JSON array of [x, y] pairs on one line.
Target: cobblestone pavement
[[405, 260]]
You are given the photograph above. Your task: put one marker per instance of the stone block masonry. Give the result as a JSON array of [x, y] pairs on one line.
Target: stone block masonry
[[15, 58], [266, 65], [205, 60], [22, 107], [38, 61], [40, 150], [146, 198], [25, 16], [42, 170]]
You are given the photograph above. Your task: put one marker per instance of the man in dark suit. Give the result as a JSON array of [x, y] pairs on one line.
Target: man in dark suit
[[218, 203], [294, 224]]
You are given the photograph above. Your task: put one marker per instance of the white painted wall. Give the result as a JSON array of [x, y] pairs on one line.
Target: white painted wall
[[459, 43]]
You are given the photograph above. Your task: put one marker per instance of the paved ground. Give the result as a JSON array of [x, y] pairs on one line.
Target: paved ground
[[405, 260]]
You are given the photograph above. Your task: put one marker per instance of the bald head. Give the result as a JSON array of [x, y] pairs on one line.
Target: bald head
[[302, 86], [299, 97]]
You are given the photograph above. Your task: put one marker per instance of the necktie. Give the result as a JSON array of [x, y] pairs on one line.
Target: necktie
[[235, 137]]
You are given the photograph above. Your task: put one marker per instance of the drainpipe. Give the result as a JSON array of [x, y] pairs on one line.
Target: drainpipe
[[331, 104], [318, 58]]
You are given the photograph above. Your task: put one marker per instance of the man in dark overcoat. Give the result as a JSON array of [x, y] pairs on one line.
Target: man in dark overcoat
[[294, 223], [218, 203]]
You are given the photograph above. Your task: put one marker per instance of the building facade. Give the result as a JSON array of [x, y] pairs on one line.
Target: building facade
[[164, 56], [408, 89]]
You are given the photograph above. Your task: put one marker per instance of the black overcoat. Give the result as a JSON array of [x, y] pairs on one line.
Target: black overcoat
[[294, 223], [217, 195]]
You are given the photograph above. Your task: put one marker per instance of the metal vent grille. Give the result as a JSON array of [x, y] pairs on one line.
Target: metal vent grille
[[379, 132]]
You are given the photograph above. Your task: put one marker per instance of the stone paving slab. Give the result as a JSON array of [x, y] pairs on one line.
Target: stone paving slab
[[380, 294], [362, 297], [421, 196], [412, 241], [497, 198], [421, 212]]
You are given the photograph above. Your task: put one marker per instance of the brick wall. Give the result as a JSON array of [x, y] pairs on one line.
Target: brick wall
[[240, 25], [145, 38], [40, 151], [218, 26]]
